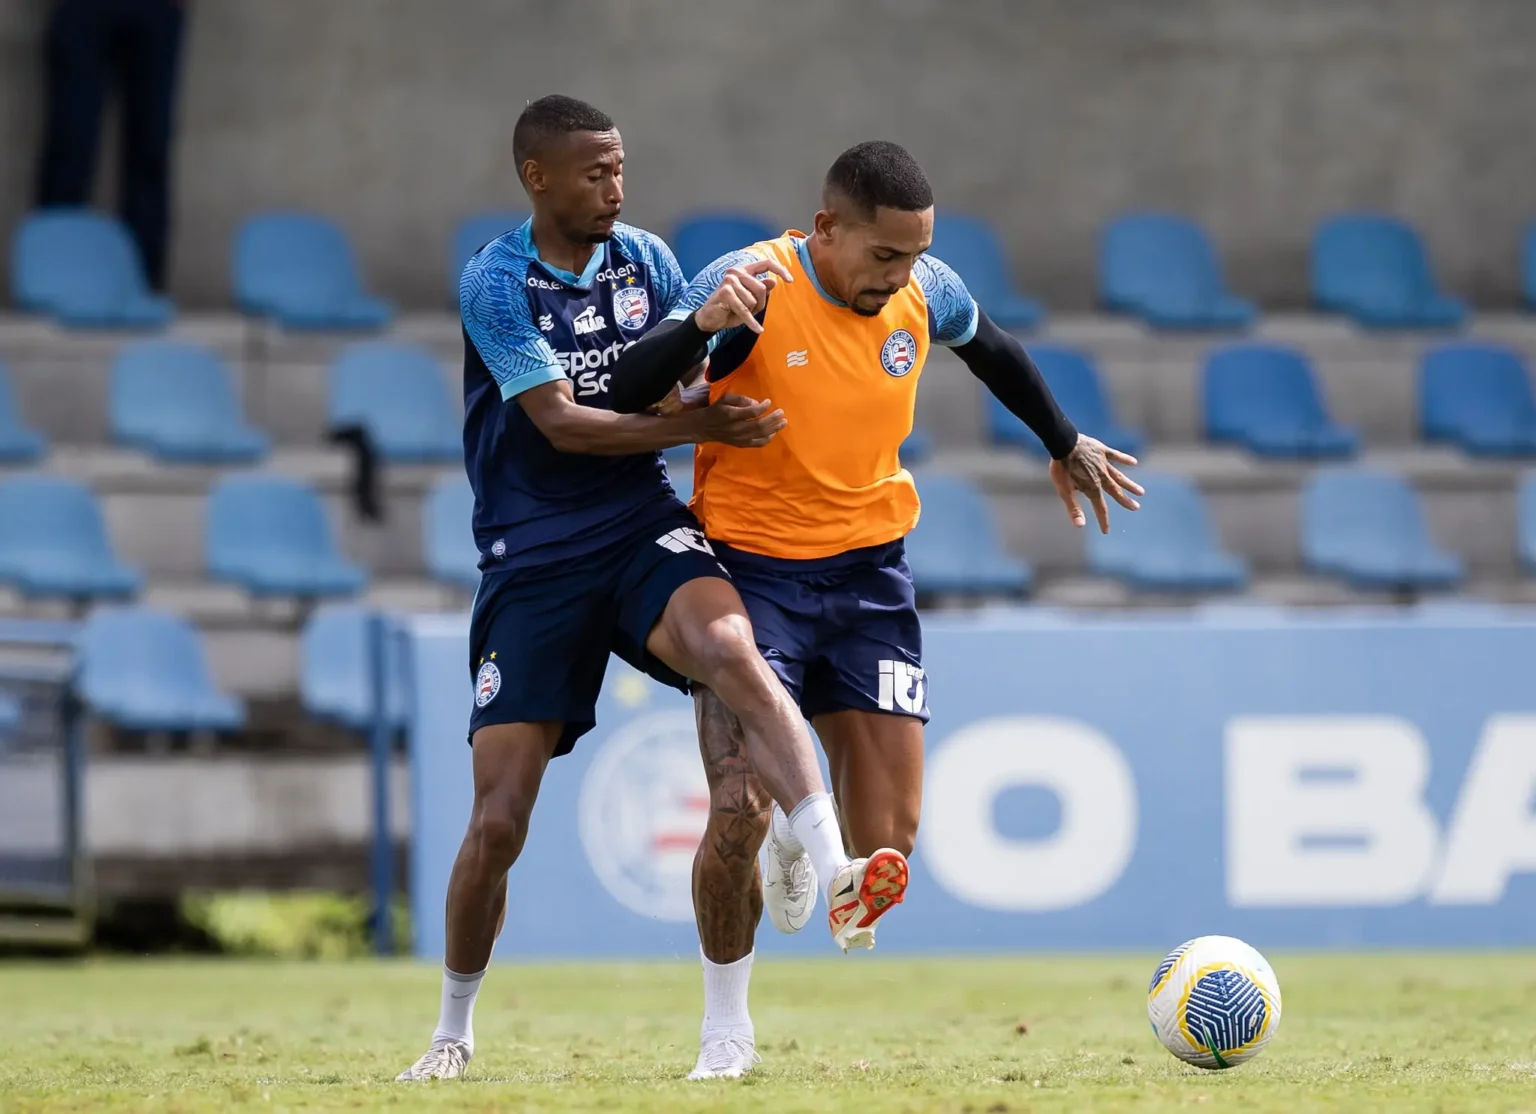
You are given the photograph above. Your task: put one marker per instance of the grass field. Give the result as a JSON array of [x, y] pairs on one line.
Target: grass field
[[1382, 1033]]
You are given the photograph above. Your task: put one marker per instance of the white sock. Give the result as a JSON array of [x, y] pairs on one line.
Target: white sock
[[814, 822], [725, 997], [456, 1021], [786, 836]]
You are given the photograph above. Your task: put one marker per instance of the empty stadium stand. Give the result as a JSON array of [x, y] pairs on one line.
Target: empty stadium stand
[[1376, 269], [1075, 384], [300, 269], [81, 268], [1169, 546], [1366, 526], [1264, 397], [955, 549], [1163, 269], [1478, 397], [701, 238], [176, 402], [144, 670], [396, 394], [971, 246]]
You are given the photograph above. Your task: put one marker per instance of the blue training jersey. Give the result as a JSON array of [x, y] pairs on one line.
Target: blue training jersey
[[527, 323]]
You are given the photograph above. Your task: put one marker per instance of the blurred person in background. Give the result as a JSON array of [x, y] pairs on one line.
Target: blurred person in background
[[134, 46]]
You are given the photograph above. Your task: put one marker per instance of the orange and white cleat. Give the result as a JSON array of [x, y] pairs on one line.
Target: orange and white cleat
[[863, 892]]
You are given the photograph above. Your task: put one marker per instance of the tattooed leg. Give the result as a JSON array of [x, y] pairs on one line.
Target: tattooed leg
[[727, 891]]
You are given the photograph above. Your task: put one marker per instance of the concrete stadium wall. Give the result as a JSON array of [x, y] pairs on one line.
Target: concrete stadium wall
[[1257, 116]]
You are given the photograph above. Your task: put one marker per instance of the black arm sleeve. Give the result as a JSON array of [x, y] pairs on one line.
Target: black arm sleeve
[[653, 365], [999, 361]]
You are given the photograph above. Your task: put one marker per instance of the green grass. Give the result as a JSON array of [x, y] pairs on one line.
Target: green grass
[[1381, 1033]]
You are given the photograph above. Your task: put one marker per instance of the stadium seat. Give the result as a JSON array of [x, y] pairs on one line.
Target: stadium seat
[[448, 537], [972, 248], [176, 402], [53, 543], [1265, 398], [270, 535], [1366, 527], [1167, 546], [336, 669], [955, 549], [144, 670], [1075, 382], [1525, 524], [469, 236], [1374, 269], [1478, 396], [83, 269], [300, 270], [701, 238], [1528, 265], [1163, 269], [398, 394], [18, 443]]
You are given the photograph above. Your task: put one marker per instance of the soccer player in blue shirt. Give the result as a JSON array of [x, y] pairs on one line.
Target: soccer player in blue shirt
[[584, 547]]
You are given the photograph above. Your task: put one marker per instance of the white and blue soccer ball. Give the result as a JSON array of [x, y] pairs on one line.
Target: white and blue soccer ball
[[1214, 1002]]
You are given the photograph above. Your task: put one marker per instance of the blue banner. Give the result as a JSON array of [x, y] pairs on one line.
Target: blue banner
[[1115, 783]]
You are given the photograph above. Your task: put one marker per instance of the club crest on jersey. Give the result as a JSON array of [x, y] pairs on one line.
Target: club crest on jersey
[[899, 353], [487, 684], [631, 307]]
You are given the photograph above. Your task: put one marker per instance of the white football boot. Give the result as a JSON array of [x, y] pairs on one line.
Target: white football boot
[[863, 892], [727, 1056], [444, 1060], [789, 884]]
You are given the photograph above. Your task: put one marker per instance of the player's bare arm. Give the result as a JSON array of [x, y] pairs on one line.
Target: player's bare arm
[[1079, 464], [573, 428], [650, 368]]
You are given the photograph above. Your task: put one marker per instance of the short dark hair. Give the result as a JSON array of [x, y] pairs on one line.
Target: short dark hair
[[549, 118], [878, 174]]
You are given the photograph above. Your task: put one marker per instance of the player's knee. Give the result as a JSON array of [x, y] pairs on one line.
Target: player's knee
[[726, 653], [500, 827], [739, 811]]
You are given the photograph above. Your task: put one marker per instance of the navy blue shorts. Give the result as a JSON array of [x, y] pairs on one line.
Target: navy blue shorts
[[539, 638], [841, 632]]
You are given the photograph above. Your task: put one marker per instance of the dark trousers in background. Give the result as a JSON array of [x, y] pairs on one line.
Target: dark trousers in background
[[133, 45]]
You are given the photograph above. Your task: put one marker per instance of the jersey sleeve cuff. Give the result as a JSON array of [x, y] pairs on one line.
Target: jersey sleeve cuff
[[527, 380], [970, 329]]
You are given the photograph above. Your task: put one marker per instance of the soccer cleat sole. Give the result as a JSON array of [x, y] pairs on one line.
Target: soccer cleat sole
[[883, 888]]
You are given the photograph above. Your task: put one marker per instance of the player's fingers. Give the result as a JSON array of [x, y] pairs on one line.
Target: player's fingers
[[753, 291], [1120, 496], [740, 311], [744, 407], [1126, 482], [766, 267], [1118, 457], [1067, 495], [1100, 508]]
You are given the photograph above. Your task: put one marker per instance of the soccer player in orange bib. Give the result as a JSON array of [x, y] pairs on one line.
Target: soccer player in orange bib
[[834, 328]]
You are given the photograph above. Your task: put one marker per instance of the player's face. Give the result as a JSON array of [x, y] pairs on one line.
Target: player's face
[[873, 259], [578, 182]]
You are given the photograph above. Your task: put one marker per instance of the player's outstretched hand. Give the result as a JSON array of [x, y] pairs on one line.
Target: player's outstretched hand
[[741, 293], [741, 421], [1090, 468]]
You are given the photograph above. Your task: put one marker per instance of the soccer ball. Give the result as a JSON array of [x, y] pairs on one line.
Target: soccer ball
[[1214, 1002]]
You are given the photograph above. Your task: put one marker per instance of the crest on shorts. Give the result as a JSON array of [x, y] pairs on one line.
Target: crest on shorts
[[499, 548], [631, 307], [899, 353], [487, 684]]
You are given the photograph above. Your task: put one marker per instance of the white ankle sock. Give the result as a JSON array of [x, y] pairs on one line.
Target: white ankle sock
[[725, 997], [786, 836], [456, 1020], [814, 822]]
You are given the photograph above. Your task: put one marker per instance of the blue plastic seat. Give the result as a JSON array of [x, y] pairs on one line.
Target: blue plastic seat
[[1265, 398], [701, 238], [19, 444], [1367, 528], [917, 447], [1075, 383], [1478, 396], [270, 535], [955, 548], [1525, 524], [447, 533], [1163, 269], [971, 246], [469, 236], [145, 670], [300, 269], [82, 268], [1167, 546], [398, 394], [1374, 268], [336, 669], [53, 543], [177, 403]]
